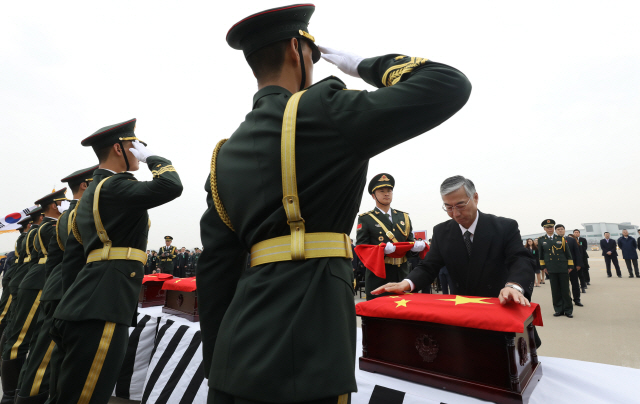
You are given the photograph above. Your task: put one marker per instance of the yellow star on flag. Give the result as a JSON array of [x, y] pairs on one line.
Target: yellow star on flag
[[401, 303], [465, 300], [393, 297]]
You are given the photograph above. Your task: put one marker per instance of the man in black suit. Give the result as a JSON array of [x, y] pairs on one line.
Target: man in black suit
[[610, 254], [483, 253], [585, 279]]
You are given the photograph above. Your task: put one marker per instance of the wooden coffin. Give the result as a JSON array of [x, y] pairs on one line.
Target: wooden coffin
[[151, 294], [501, 367], [182, 304]]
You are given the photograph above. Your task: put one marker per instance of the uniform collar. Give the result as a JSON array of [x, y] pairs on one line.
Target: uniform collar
[[269, 90]]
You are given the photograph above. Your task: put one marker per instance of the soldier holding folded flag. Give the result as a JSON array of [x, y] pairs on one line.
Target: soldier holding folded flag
[[385, 225]]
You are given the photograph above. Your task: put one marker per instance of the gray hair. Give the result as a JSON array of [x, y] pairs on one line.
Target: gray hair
[[452, 184]]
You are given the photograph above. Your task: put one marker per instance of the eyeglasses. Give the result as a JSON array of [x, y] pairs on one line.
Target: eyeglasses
[[458, 206]]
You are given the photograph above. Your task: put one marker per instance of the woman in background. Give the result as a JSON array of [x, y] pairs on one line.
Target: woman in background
[[532, 247]]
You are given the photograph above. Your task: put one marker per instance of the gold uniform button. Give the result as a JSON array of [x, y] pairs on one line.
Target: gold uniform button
[[132, 274]]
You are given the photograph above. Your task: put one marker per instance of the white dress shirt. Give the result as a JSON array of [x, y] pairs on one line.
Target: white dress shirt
[[471, 229], [388, 213]]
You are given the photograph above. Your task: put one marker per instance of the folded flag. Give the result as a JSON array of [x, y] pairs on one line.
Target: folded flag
[[372, 256], [182, 284], [485, 313], [156, 278]]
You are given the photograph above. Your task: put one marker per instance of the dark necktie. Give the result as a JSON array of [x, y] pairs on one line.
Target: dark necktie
[[467, 241]]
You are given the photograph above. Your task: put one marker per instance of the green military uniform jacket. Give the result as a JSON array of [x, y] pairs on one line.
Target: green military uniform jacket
[[168, 260], [36, 277], [53, 286], [108, 290], [310, 301], [369, 231], [555, 256], [23, 269], [6, 278]]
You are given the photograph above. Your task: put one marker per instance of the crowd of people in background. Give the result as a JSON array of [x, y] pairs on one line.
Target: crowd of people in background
[[183, 264]]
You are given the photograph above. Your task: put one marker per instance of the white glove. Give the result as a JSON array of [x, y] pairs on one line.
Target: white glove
[[418, 246], [346, 61], [64, 205], [389, 248], [141, 152]]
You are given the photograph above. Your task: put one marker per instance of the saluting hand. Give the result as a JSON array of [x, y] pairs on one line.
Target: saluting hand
[[140, 151], [510, 294], [346, 61]]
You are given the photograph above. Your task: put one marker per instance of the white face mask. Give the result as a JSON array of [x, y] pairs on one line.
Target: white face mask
[[64, 205]]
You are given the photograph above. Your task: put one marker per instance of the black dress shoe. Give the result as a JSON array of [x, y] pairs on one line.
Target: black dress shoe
[[608, 276], [588, 283], [630, 276], [584, 290], [619, 276], [558, 314], [569, 315], [579, 304]]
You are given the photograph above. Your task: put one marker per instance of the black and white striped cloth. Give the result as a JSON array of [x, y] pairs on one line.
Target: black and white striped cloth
[[163, 363], [175, 373]]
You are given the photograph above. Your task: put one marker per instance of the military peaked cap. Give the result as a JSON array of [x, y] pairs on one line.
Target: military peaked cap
[[381, 181], [112, 134], [52, 197], [273, 25], [34, 213], [168, 238], [548, 223], [79, 176]]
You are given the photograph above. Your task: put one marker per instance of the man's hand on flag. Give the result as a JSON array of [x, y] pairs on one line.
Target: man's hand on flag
[[510, 294], [393, 288]]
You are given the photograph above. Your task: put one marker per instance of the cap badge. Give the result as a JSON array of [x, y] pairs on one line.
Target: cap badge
[[383, 178], [307, 35]]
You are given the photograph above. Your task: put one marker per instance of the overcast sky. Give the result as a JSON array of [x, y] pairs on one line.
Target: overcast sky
[[550, 130]]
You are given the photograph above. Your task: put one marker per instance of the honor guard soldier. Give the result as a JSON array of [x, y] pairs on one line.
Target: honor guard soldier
[[167, 255], [385, 225], [302, 206], [27, 250], [33, 385], [91, 323], [24, 324], [6, 299], [555, 261]]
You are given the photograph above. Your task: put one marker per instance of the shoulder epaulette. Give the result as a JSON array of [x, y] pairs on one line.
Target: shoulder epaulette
[[326, 79], [365, 213]]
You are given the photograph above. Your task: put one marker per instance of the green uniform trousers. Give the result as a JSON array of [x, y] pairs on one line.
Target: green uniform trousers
[[36, 372], [165, 267], [218, 397], [561, 293], [394, 274], [22, 324], [92, 352]]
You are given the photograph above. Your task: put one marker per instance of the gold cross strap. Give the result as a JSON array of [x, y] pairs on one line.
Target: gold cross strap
[[42, 247], [289, 181], [102, 233], [389, 234], [298, 245]]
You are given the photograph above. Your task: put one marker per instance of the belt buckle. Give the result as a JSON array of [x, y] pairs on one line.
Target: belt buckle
[[390, 235]]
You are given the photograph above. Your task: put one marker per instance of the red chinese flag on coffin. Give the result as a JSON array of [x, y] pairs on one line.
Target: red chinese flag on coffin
[[372, 256], [181, 284], [156, 278], [485, 313]]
